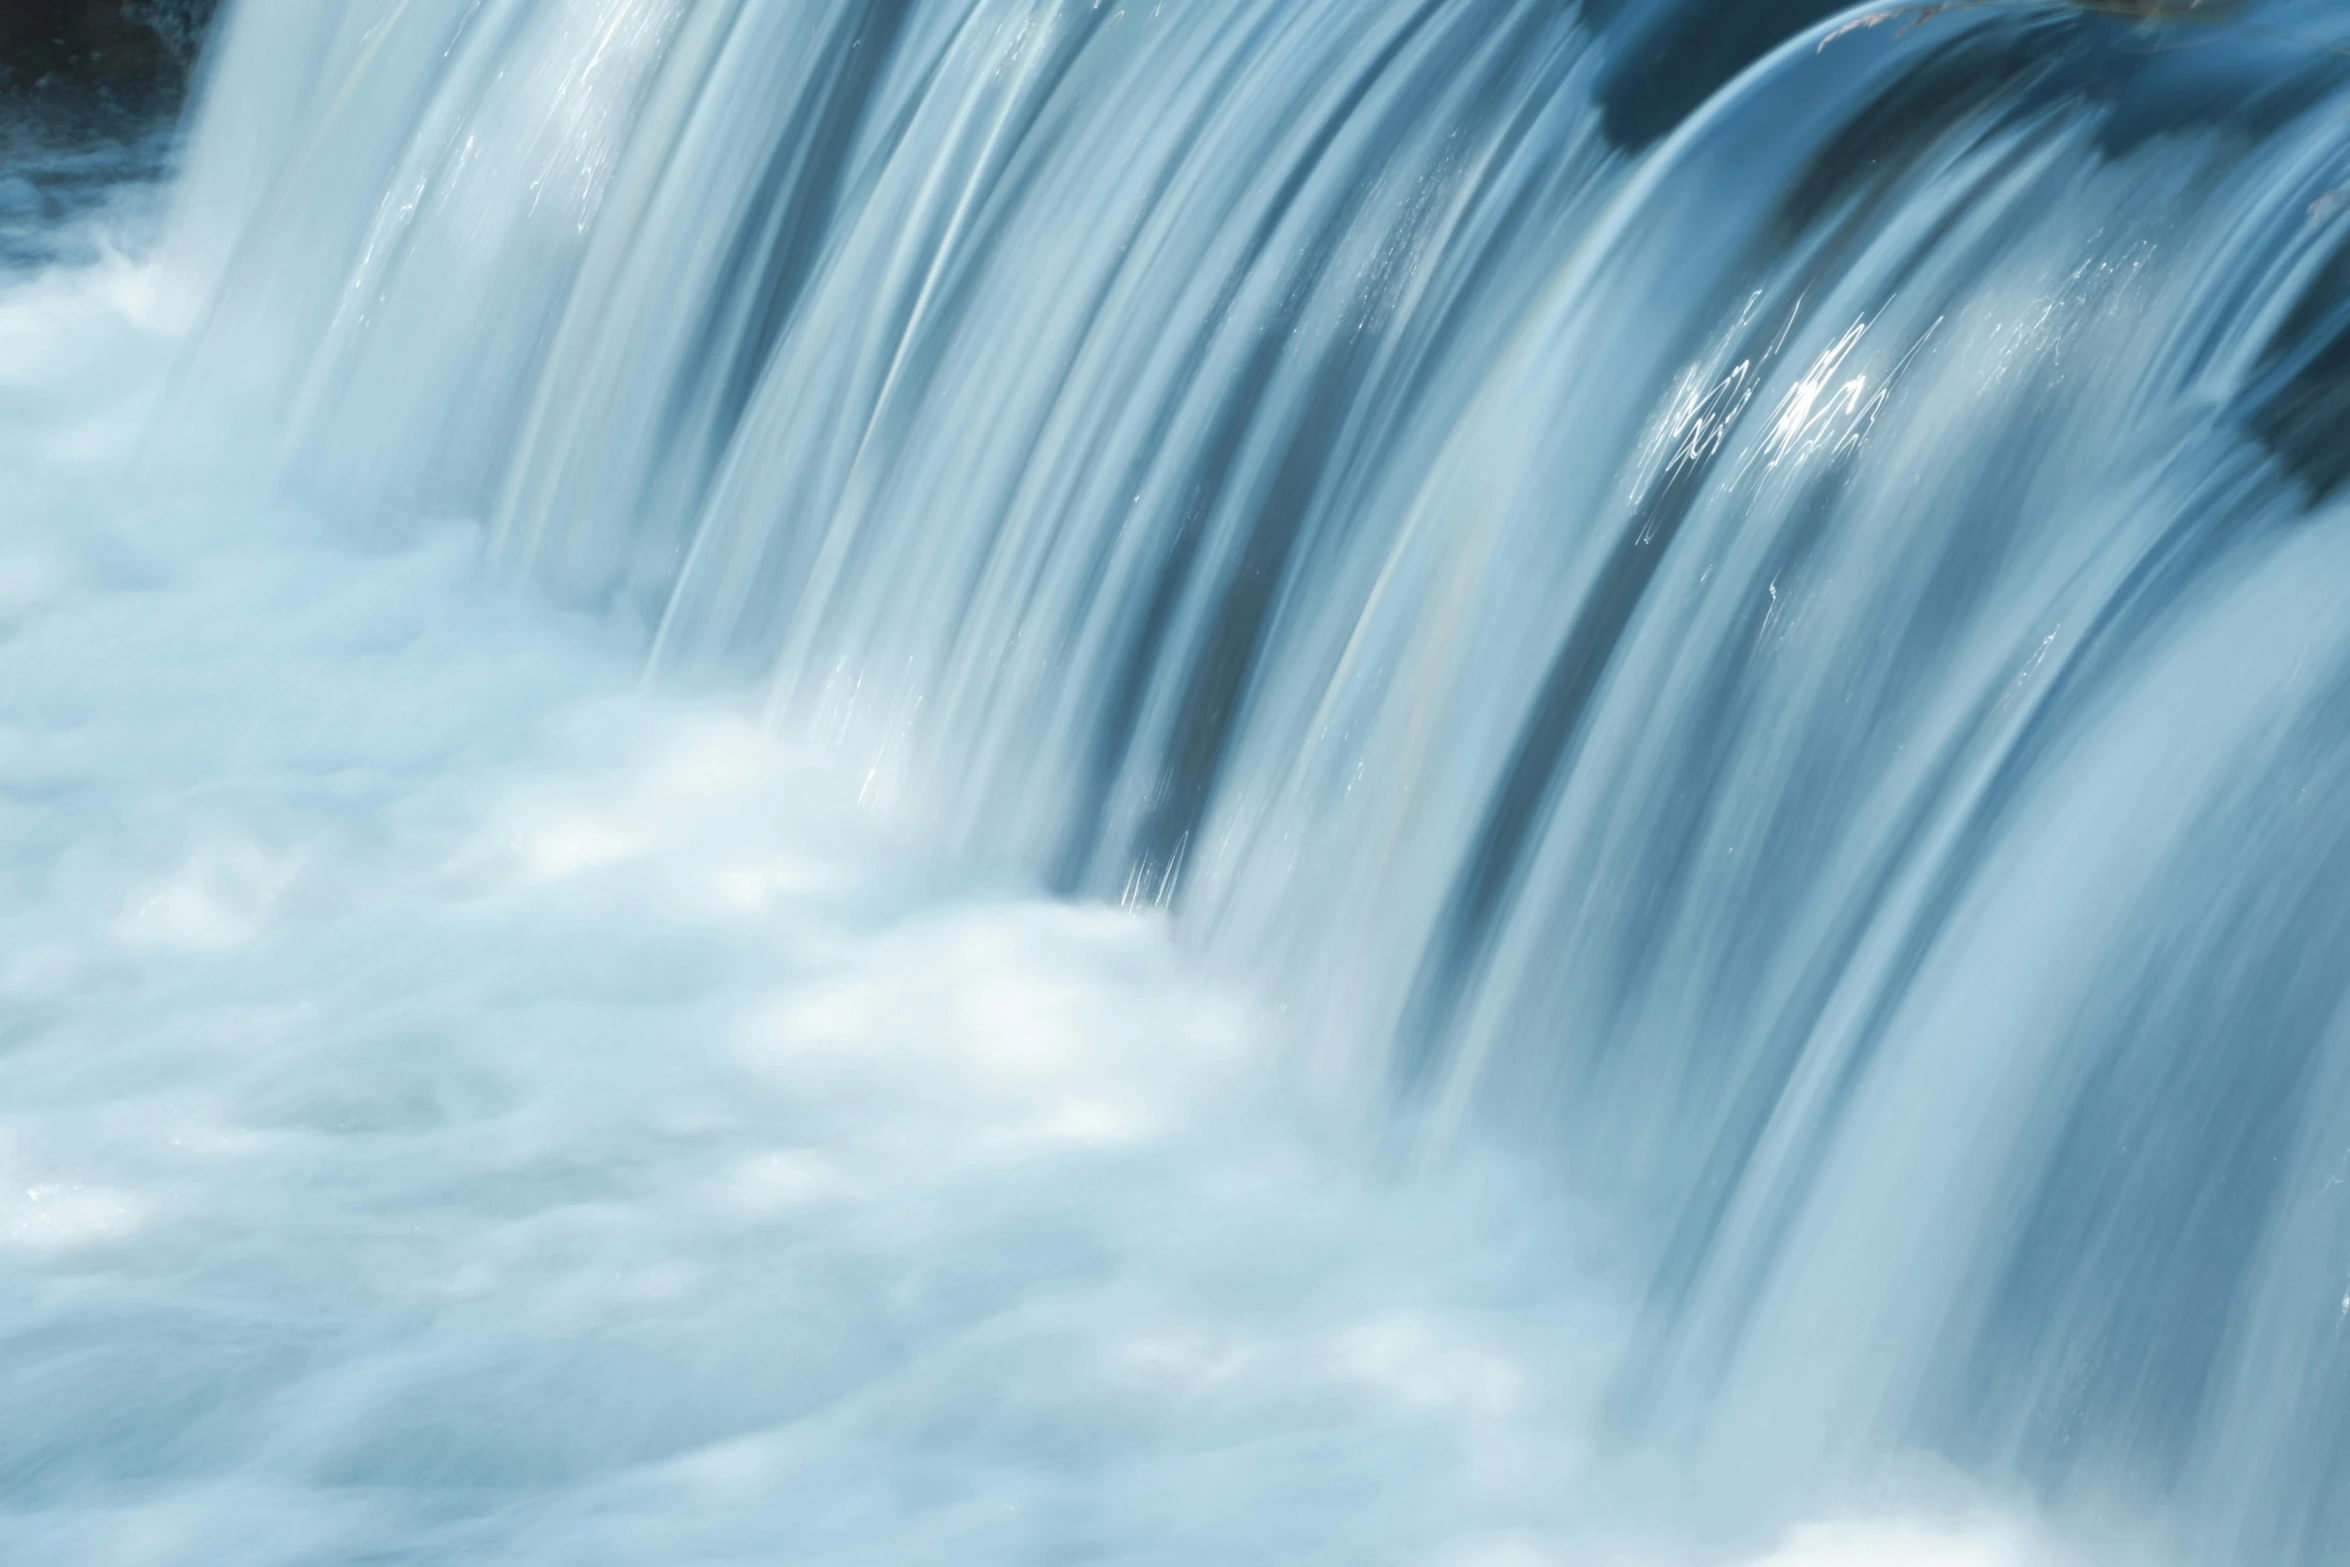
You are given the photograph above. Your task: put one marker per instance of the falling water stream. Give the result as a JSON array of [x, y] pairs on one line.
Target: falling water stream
[[1473, 782]]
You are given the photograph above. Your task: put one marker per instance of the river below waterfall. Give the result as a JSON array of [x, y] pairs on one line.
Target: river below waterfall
[[455, 1106], [1471, 783]]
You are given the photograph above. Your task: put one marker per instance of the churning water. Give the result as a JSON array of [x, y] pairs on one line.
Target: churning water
[[1427, 781]]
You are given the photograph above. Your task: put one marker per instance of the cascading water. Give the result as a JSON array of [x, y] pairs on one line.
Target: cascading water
[[1737, 607]]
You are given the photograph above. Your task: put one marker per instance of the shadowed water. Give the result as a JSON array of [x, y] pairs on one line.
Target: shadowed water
[[1744, 623]]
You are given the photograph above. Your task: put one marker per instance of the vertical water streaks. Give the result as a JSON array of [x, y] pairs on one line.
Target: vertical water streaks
[[1770, 630]]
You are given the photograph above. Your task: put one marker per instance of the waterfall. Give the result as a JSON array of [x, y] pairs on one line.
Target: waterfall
[[1752, 600]]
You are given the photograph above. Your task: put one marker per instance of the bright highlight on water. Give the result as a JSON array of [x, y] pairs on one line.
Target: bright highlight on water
[[1458, 782]]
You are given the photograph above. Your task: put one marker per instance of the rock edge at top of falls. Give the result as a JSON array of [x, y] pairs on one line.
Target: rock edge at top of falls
[[75, 69]]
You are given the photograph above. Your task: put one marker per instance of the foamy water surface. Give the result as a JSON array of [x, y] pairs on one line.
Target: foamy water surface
[[457, 1107]]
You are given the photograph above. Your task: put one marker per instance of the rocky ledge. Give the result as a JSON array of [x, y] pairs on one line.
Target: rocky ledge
[[74, 68]]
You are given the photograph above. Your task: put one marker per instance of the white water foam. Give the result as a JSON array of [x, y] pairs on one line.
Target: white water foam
[[457, 1108]]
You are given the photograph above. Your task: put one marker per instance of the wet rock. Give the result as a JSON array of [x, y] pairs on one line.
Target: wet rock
[[74, 69]]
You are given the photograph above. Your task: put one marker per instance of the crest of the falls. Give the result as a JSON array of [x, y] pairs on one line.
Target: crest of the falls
[[1774, 626]]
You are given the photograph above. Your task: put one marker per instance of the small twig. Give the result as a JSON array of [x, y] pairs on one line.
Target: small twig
[[1908, 15]]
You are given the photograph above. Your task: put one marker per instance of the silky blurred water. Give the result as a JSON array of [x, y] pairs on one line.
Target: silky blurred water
[[460, 1108], [1463, 782]]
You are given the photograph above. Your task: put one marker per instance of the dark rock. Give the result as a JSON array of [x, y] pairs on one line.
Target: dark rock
[[180, 24], [71, 70]]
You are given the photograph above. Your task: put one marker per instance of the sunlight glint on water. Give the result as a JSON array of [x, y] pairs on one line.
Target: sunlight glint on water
[[1420, 782], [458, 1109]]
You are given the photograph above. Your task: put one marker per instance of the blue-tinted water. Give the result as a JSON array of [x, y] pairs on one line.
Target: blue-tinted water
[[1470, 781]]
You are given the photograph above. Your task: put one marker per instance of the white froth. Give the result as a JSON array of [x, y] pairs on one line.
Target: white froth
[[455, 1108]]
